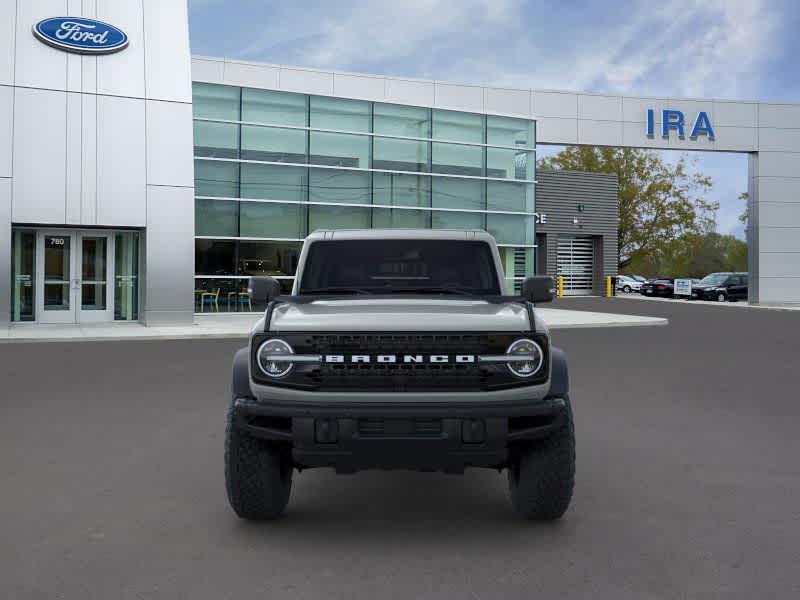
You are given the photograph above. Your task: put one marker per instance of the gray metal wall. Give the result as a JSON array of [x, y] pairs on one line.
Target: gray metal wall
[[558, 195]]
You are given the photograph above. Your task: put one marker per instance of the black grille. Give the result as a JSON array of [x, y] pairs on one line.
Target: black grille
[[399, 376]]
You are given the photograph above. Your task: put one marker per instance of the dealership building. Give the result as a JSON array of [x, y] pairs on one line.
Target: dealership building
[[139, 183]]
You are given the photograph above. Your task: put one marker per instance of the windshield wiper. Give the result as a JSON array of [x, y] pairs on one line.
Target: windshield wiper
[[336, 290]]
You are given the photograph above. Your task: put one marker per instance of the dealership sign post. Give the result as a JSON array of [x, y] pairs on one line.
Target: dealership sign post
[[683, 287], [83, 36]]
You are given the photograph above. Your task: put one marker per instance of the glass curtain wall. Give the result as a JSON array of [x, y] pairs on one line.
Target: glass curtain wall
[[272, 166]]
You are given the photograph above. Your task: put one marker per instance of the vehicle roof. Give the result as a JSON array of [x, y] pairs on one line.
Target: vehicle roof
[[402, 234]]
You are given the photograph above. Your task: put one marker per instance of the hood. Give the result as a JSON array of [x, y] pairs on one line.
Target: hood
[[400, 314]]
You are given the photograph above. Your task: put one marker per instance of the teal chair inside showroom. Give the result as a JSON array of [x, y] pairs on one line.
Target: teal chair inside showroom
[[243, 299], [210, 299]]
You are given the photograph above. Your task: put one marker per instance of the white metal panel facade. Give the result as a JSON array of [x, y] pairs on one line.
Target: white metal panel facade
[[73, 127]]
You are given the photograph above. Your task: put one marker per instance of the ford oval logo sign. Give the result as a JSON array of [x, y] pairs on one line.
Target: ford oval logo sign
[[76, 34]]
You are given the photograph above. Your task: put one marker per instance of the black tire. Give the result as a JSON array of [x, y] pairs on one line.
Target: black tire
[[627, 289], [542, 479], [721, 297], [258, 478]]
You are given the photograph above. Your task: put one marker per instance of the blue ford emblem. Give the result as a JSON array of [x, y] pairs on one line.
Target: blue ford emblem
[[76, 34]]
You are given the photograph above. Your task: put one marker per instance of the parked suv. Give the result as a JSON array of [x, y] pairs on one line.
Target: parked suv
[[722, 287], [399, 349]]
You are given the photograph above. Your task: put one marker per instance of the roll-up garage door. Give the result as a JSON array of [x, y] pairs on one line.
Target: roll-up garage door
[[576, 264]]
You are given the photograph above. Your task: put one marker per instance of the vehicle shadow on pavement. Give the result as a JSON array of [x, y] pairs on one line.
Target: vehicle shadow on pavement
[[399, 505]]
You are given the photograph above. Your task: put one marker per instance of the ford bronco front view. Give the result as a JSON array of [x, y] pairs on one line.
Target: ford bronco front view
[[398, 349]]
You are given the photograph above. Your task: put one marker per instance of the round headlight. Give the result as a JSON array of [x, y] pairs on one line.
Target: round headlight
[[266, 356], [533, 362]]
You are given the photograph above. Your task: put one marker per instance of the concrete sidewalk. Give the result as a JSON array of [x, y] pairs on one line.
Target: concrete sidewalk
[[238, 326]]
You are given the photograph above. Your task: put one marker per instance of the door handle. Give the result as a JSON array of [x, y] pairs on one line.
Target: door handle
[[76, 284]]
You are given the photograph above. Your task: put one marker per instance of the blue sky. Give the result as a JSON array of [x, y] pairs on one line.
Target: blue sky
[[740, 49]]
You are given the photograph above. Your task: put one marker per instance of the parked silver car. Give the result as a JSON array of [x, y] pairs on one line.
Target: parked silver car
[[628, 284]]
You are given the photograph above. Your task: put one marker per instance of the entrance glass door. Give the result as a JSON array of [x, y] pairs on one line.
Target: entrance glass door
[[94, 301], [74, 272], [55, 274]]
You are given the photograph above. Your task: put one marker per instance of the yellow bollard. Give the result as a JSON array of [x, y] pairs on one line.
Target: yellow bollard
[[608, 287], [561, 286]]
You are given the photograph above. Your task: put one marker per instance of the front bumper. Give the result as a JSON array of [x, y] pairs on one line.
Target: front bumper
[[421, 436]]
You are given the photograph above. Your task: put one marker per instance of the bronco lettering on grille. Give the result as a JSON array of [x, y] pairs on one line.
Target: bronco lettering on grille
[[394, 358]]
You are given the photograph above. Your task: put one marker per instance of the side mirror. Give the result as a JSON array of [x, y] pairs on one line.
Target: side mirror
[[263, 289], [539, 288]]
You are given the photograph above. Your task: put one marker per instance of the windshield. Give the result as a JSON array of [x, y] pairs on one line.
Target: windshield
[[399, 266], [714, 279]]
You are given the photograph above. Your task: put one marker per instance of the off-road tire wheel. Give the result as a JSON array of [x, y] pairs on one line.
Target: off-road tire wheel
[[258, 478], [541, 479]]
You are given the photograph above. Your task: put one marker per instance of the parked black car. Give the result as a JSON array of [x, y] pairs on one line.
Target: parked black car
[[663, 288], [722, 287]]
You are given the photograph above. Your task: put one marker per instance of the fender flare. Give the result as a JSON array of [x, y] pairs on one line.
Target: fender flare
[[241, 374], [559, 375]]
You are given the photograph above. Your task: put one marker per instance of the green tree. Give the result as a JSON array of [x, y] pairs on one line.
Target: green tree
[[659, 201], [697, 255]]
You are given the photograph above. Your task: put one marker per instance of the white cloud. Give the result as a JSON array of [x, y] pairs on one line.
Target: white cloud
[[686, 47]]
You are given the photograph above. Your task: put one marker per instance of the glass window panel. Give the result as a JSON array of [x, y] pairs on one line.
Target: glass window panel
[[401, 190], [509, 164], [339, 150], [215, 178], [216, 217], [337, 113], [274, 182], [57, 272], [264, 219], [23, 260], [517, 263], [400, 155], [215, 101], [510, 229], [94, 286], [457, 159], [281, 108], [338, 217], [214, 257], [398, 218], [230, 295], [335, 185], [220, 140], [457, 126], [507, 195], [273, 144], [452, 192], [407, 121], [213, 295], [126, 276], [268, 258], [456, 220], [507, 131]]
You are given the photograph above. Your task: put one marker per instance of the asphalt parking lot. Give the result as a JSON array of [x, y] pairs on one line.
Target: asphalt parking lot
[[688, 480]]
